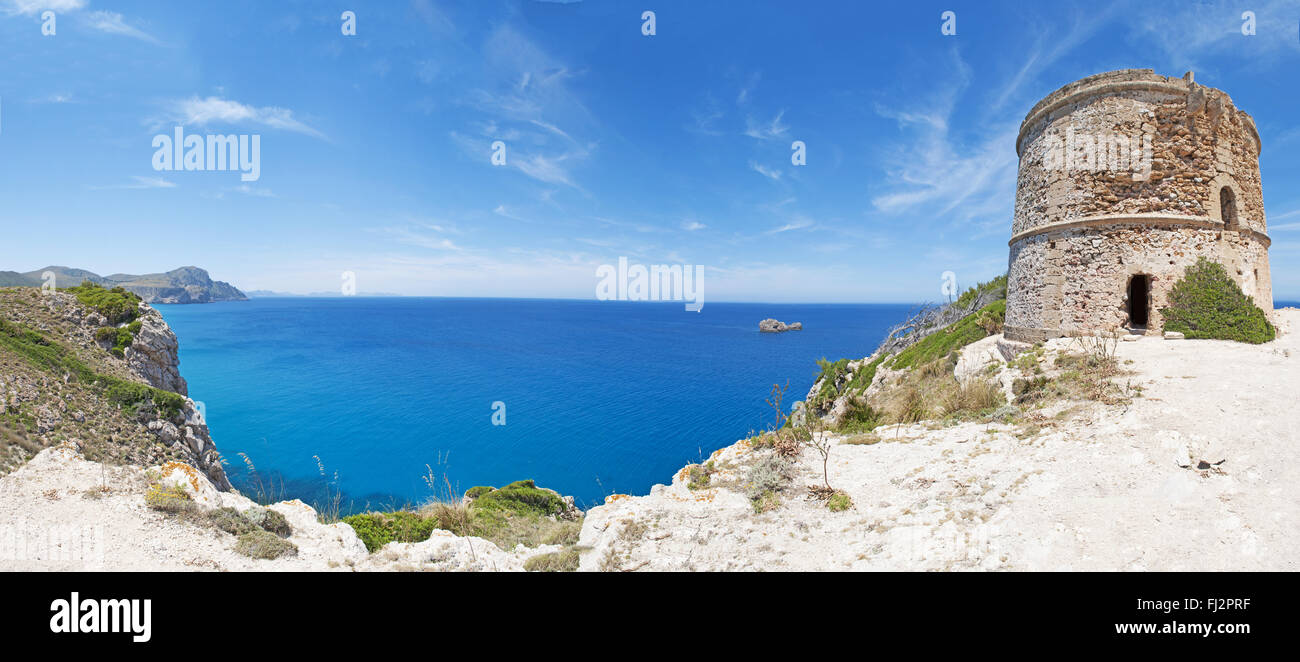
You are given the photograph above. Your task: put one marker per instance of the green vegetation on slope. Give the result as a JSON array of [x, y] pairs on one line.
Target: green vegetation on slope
[[57, 360], [956, 336], [117, 304], [518, 513], [1207, 303], [119, 336]]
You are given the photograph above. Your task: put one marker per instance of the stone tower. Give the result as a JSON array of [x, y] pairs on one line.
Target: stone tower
[[1126, 178]]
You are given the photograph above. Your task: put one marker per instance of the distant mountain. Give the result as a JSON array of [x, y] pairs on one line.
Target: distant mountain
[[15, 279], [183, 285], [262, 294]]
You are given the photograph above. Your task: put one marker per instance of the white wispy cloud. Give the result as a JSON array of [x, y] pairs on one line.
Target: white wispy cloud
[[766, 131], [31, 7], [529, 105], [798, 223], [703, 119], [937, 175], [1291, 214], [764, 170], [215, 110], [425, 236], [113, 23], [140, 183], [693, 225], [1191, 34]]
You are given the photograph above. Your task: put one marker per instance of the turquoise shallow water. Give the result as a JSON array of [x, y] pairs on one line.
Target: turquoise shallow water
[[599, 396]]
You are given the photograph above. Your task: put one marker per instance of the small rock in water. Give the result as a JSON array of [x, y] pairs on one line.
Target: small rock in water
[[770, 325]]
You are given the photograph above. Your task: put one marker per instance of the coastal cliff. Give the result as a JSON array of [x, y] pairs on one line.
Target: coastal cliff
[[97, 372]]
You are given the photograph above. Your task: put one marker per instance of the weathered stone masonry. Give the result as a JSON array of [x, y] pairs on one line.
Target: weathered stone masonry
[[1097, 240]]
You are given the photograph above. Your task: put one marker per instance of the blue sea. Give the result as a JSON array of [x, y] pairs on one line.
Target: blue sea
[[599, 397]]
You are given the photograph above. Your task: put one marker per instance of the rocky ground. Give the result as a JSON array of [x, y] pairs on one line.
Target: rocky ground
[[62, 512], [1195, 473]]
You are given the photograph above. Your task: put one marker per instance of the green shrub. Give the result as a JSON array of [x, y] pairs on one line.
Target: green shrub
[[1207, 303], [840, 501], [379, 529], [561, 561], [261, 544], [478, 491], [130, 395], [521, 497], [998, 286], [697, 475], [117, 304], [860, 417], [831, 371], [119, 336]]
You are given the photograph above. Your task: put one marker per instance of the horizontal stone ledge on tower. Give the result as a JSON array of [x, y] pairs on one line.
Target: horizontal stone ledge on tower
[[1147, 219]]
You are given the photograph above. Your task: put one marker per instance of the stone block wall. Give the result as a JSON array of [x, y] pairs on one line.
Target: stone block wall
[[1121, 174]]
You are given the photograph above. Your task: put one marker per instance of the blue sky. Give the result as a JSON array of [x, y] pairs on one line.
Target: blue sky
[[668, 149]]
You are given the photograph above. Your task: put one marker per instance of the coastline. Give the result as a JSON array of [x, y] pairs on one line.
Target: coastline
[[1090, 484]]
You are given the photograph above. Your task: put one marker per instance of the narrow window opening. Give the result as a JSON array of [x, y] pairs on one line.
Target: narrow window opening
[[1228, 208]]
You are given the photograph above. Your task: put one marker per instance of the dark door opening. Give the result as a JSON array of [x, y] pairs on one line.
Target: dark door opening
[[1139, 300]]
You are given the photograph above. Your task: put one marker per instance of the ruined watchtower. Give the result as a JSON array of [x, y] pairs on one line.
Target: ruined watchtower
[[1126, 178]]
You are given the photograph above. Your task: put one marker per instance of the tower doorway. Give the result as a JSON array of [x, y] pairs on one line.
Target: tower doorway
[[1139, 300]]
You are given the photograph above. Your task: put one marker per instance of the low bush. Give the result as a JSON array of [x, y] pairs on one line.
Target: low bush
[[1207, 303], [269, 520], [231, 521], [170, 499], [697, 475], [840, 501], [378, 529], [116, 305], [261, 544], [770, 474]]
